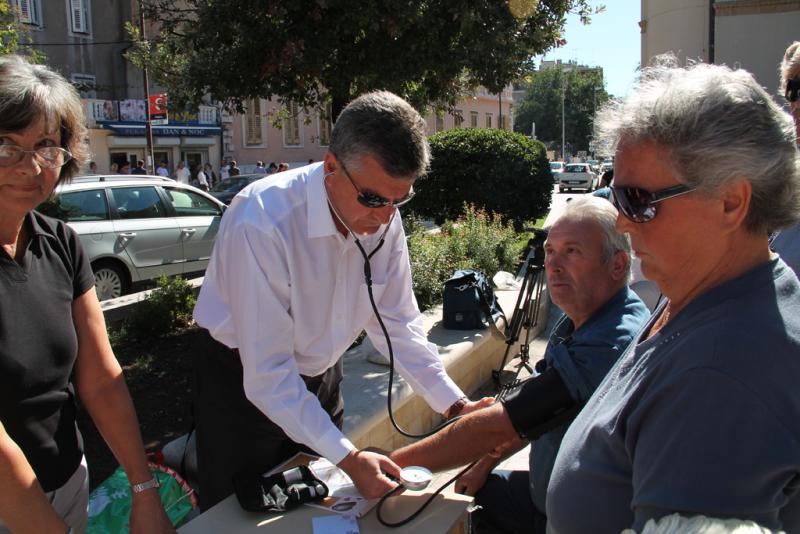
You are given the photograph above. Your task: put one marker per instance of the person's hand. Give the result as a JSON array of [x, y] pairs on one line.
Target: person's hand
[[472, 406], [147, 514], [368, 471], [470, 482]]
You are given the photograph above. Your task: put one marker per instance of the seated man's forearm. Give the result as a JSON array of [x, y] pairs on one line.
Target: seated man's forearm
[[460, 443]]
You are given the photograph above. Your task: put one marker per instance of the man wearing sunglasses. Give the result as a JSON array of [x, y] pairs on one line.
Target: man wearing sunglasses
[[787, 242], [284, 296]]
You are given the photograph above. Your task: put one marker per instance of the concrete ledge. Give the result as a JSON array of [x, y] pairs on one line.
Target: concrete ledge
[[115, 310], [468, 355]]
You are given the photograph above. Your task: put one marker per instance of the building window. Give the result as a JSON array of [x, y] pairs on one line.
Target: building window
[[473, 119], [488, 120], [252, 123], [324, 125], [79, 16], [439, 123], [86, 85], [458, 118], [291, 126], [502, 120], [30, 11]]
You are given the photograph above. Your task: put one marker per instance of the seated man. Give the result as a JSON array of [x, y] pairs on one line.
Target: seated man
[[588, 267]]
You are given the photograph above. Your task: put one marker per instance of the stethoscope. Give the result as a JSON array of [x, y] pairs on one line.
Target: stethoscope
[[414, 478]]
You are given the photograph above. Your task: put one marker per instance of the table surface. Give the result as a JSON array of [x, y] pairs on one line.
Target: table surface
[[445, 513]]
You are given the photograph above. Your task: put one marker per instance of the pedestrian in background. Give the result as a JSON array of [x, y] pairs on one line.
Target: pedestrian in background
[[233, 169], [182, 174]]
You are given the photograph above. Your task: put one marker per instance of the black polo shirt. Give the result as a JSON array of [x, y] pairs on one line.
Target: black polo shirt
[[38, 347]]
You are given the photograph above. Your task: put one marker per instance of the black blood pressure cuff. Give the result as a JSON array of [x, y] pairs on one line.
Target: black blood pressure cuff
[[540, 404], [279, 492]]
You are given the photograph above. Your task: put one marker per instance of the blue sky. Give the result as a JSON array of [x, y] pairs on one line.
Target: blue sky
[[611, 41]]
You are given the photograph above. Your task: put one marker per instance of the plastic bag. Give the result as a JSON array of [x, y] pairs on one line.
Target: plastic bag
[[110, 502]]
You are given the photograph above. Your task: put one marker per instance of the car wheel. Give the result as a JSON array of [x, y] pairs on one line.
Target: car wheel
[[110, 281]]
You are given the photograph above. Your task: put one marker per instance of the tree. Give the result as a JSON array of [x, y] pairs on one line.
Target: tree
[[316, 51], [584, 94], [14, 38]]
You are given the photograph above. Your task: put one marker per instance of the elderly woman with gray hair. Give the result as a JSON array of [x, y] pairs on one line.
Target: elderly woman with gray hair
[[701, 415], [53, 341]]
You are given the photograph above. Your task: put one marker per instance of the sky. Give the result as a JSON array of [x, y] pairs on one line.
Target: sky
[[611, 41]]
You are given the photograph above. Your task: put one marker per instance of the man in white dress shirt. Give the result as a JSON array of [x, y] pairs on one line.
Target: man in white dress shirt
[[285, 295]]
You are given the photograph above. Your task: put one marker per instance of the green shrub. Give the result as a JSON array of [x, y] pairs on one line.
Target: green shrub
[[167, 309], [495, 170], [474, 241]]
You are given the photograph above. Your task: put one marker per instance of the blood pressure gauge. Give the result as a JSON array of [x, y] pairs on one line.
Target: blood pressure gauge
[[415, 477]]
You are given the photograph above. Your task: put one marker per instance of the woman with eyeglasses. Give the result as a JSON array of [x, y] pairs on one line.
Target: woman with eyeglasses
[[701, 414], [53, 342], [787, 242]]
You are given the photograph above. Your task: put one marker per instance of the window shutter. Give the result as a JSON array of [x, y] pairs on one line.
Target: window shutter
[[253, 122], [78, 16], [26, 11]]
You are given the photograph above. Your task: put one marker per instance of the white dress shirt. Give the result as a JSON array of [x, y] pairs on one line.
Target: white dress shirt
[[287, 289]]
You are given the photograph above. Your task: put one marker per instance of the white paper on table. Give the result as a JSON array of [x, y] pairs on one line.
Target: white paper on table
[[334, 524], [343, 497]]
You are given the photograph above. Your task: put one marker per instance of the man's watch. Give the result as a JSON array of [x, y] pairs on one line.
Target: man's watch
[[456, 408], [144, 486]]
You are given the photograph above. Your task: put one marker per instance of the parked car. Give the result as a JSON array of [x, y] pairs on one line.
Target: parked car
[[578, 176], [556, 168], [136, 228], [225, 190]]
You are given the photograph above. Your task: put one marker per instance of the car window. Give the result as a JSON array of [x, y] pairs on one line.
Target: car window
[[575, 168], [138, 202], [230, 185], [189, 203], [89, 205]]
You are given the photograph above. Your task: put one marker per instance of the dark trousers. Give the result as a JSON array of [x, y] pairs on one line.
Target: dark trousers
[[232, 434], [506, 505]]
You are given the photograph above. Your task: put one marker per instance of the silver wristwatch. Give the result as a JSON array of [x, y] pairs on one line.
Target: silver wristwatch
[[152, 483]]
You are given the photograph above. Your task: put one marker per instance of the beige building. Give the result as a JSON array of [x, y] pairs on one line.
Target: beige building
[[85, 41], [748, 34], [296, 136]]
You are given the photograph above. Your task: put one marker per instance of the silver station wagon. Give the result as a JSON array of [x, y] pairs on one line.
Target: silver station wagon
[[136, 228]]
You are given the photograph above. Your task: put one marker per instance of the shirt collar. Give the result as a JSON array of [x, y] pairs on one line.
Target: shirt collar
[[320, 219], [35, 227]]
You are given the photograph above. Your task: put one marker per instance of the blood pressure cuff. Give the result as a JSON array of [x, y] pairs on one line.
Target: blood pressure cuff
[[540, 404], [279, 492]]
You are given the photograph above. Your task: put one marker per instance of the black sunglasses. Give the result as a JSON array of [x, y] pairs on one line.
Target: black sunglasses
[[373, 200], [793, 89], [638, 205]]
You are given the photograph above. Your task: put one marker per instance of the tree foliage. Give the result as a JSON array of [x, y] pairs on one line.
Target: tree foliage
[[14, 38], [310, 51], [494, 170], [542, 105]]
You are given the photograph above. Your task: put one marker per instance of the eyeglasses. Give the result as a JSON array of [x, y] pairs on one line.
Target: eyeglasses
[[638, 205], [793, 89], [51, 157], [373, 200]]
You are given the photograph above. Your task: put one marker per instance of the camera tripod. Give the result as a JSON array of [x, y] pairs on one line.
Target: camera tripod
[[526, 311]]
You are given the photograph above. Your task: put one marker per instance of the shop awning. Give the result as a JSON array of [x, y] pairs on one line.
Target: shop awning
[[137, 130]]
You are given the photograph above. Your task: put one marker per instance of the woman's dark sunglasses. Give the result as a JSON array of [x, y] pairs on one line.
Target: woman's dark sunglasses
[[373, 200], [793, 89], [638, 205]]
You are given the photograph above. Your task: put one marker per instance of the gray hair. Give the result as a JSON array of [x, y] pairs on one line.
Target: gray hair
[[29, 93], [604, 214], [790, 66], [718, 126], [382, 125]]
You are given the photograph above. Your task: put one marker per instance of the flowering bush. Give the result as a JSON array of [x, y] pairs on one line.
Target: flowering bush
[[477, 240]]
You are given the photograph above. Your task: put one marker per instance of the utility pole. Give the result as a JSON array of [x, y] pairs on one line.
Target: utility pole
[[563, 130], [148, 129]]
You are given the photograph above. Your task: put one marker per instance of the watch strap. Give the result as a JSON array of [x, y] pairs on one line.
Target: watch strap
[[144, 486]]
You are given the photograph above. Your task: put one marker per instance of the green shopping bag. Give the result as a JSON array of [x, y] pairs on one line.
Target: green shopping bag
[[110, 502]]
